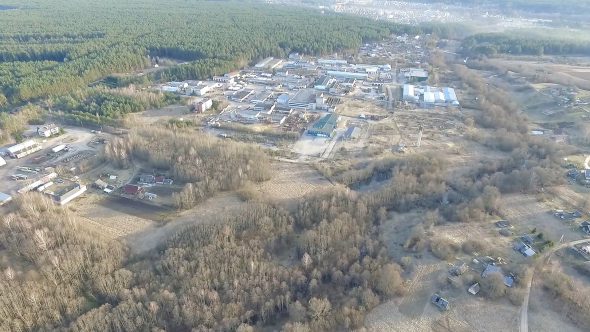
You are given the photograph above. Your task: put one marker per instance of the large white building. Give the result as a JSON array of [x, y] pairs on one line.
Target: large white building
[[409, 93], [2, 161], [23, 149]]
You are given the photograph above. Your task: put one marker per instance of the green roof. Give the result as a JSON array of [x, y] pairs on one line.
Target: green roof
[[328, 122]]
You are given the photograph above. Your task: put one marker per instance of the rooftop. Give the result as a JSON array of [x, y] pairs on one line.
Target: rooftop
[[304, 96], [327, 122]]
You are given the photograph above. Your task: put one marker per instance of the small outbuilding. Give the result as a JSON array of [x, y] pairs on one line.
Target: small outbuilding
[[5, 198]]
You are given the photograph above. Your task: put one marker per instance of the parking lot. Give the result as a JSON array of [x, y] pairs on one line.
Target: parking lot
[[35, 165]]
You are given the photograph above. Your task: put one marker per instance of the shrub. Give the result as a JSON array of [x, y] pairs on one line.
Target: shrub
[[443, 248]]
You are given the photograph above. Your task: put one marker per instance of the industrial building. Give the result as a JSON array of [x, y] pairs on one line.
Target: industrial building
[[248, 116], [413, 75], [430, 96], [68, 194], [261, 97], [450, 96], [2, 162], [174, 86], [304, 99], [203, 105], [266, 108], [332, 62], [325, 126], [227, 78], [242, 95], [345, 74], [323, 83], [409, 93], [283, 99], [199, 90], [48, 130], [23, 149]]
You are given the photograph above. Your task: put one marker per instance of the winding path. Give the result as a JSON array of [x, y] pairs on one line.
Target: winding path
[[524, 318]]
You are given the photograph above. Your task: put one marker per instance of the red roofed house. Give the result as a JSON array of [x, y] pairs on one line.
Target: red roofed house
[[131, 189]]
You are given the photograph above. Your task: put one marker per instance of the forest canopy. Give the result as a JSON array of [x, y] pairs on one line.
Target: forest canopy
[[51, 47]]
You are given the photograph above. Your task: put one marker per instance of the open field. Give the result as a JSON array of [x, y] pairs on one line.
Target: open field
[[291, 181], [526, 213]]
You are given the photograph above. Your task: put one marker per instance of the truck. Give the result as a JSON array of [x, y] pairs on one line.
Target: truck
[[58, 148]]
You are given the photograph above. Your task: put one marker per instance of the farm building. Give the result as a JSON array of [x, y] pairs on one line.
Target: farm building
[[133, 190], [23, 149], [69, 194], [147, 179], [325, 126]]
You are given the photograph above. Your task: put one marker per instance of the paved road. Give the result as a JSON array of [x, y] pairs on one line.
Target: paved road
[[524, 319]]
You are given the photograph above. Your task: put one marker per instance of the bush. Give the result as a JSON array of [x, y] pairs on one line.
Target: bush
[[493, 286], [417, 240], [516, 296], [473, 246], [443, 248], [389, 280]]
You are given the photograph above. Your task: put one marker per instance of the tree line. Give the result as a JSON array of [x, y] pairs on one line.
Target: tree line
[[492, 44]]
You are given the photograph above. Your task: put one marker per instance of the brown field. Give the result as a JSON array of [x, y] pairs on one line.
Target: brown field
[[291, 181], [525, 212]]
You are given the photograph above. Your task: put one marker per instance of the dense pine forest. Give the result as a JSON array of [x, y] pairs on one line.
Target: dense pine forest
[[50, 47], [554, 43]]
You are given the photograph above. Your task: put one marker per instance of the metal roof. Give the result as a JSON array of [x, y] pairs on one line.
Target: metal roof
[[5, 197], [21, 146]]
